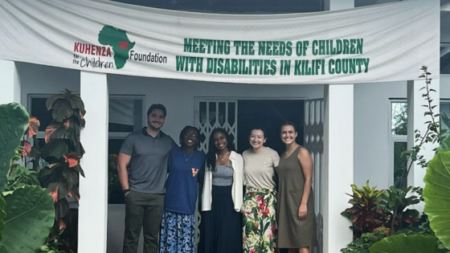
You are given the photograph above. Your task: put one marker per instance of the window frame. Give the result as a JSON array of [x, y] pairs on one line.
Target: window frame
[[392, 138]]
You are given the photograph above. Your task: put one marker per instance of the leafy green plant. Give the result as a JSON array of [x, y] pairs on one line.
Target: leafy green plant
[[52, 247], [19, 177], [402, 243], [433, 134], [437, 196], [13, 124], [2, 217], [396, 201], [362, 244], [25, 211], [58, 161], [366, 213], [29, 217]]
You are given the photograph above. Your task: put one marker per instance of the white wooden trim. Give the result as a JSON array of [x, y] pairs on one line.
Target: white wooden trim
[[93, 208]]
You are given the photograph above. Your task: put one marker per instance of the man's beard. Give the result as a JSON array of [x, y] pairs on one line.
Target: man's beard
[[154, 128]]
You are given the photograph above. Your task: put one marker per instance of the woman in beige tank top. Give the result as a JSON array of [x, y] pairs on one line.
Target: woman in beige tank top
[[296, 216], [259, 230]]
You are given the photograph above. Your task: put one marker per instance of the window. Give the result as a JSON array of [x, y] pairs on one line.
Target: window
[[445, 114], [399, 131], [125, 116], [398, 138]]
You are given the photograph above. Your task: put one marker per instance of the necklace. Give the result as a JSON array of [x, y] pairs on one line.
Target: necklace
[[223, 157], [187, 158]]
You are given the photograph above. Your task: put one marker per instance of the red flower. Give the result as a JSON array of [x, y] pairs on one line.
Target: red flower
[[266, 212], [252, 251], [259, 199], [261, 206], [251, 193]]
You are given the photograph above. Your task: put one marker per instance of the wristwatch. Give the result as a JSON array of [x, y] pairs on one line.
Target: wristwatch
[[125, 191]]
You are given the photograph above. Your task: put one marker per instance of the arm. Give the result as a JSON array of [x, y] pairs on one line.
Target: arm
[[275, 162], [122, 164], [201, 173], [307, 167], [124, 159]]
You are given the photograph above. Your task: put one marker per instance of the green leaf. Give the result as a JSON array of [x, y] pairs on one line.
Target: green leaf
[[29, 217], [51, 100], [406, 244], [55, 148], [13, 124], [2, 216], [62, 110], [445, 145], [437, 196]]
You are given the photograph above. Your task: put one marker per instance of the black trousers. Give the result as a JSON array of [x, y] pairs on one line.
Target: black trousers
[[143, 210]]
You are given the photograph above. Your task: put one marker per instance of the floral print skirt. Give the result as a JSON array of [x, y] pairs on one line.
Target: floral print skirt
[[177, 233], [259, 220]]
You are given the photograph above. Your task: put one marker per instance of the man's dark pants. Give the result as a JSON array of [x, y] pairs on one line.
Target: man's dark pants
[[142, 210]]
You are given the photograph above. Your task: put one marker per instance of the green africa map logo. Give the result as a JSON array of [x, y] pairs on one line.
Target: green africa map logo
[[114, 50], [115, 44]]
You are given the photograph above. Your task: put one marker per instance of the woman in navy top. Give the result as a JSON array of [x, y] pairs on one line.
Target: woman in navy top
[[186, 167]]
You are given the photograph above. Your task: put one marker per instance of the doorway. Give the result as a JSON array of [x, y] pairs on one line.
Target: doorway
[[269, 114]]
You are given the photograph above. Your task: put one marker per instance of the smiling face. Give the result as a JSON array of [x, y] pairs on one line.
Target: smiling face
[[190, 138], [156, 119], [288, 134], [220, 141], [257, 138]]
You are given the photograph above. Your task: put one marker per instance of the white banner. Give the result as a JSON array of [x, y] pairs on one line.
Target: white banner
[[386, 42]]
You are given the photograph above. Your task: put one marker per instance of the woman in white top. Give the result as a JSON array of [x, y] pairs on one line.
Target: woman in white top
[[221, 220], [259, 230]]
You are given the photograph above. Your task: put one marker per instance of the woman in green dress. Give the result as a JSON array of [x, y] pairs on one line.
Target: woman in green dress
[[296, 216]]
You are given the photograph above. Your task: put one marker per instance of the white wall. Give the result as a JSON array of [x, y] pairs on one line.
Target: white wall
[[39, 79], [371, 126]]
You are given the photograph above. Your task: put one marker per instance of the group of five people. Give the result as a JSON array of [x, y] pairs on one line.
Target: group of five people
[[160, 181]]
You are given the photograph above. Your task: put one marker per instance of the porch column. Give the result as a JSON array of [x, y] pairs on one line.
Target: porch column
[[93, 209], [338, 166], [9, 82], [338, 156], [416, 121]]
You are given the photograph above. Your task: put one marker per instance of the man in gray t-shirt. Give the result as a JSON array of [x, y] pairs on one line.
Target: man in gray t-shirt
[[142, 169]]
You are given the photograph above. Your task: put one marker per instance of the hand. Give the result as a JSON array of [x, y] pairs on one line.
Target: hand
[[302, 211], [126, 193]]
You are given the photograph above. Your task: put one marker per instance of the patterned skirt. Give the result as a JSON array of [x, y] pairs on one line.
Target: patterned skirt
[[260, 227], [177, 233]]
